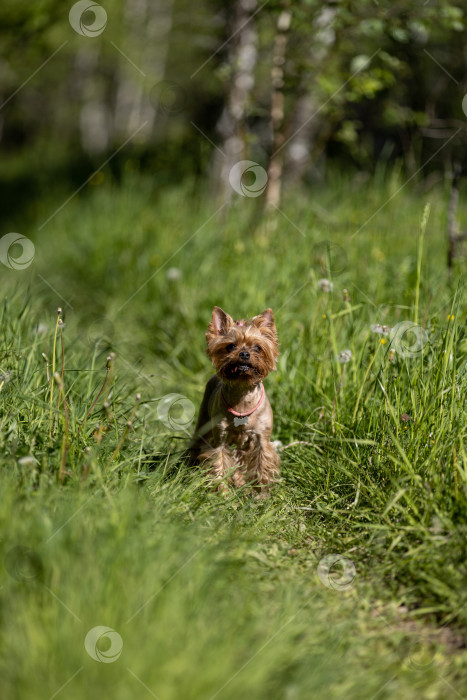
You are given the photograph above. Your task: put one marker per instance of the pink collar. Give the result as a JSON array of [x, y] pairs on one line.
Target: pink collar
[[248, 413]]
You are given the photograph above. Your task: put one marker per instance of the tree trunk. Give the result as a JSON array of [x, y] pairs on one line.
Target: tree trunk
[[149, 26], [273, 191], [292, 153], [454, 236], [242, 56], [95, 119]]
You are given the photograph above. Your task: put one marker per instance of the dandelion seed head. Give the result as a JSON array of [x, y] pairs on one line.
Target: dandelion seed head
[[173, 274], [344, 356], [28, 461], [380, 330], [325, 285]]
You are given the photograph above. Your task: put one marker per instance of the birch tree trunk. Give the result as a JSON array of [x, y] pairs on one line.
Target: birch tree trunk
[[455, 237], [273, 191], [242, 57], [307, 117], [149, 25], [293, 140], [95, 117]]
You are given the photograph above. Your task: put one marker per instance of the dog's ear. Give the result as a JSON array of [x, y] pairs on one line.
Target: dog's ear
[[264, 320], [220, 322]]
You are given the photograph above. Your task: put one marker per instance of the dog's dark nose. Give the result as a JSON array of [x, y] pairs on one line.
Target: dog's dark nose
[[244, 355]]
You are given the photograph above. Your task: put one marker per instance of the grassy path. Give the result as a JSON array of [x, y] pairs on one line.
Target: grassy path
[[349, 581]]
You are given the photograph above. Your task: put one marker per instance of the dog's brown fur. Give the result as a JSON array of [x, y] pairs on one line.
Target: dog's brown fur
[[243, 353]]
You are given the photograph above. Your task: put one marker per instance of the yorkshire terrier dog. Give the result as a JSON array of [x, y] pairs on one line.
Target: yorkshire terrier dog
[[232, 435]]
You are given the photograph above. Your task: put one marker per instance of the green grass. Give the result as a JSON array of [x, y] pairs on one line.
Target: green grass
[[220, 597]]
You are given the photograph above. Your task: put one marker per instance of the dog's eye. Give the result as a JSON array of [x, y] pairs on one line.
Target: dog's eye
[[258, 348], [230, 347]]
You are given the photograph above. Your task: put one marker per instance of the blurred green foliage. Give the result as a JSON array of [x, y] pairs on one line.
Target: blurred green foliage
[[69, 101]]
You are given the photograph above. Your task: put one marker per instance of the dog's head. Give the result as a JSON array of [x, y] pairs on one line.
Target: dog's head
[[242, 351]]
